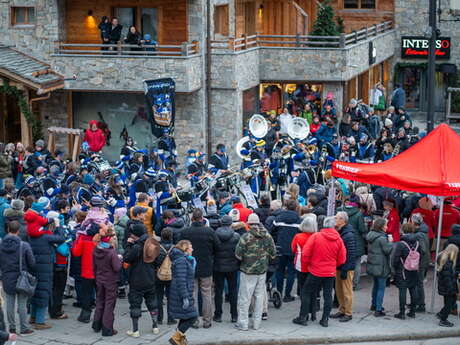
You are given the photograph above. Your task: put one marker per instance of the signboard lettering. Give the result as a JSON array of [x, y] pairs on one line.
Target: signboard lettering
[[417, 47]]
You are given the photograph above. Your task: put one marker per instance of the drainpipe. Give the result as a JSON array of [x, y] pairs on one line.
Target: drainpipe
[[208, 61], [32, 100]]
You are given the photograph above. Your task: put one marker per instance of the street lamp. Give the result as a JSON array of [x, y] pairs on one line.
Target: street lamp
[[431, 64]]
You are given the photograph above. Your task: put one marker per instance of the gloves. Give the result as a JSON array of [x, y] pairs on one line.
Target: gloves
[[343, 275], [185, 303]]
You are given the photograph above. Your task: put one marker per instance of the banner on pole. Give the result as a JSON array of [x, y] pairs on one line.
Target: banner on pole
[[159, 96]]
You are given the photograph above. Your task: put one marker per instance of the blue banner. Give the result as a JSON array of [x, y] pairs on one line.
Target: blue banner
[[159, 96]]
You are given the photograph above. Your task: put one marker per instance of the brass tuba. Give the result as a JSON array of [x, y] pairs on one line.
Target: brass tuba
[[298, 128], [258, 126]]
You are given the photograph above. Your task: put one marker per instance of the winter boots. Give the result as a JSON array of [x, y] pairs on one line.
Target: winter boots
[[85, 316], [178, 338], [107, 332], [96, 326]]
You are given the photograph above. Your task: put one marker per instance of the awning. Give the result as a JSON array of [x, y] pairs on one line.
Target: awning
[[29, 71], [432, 166]]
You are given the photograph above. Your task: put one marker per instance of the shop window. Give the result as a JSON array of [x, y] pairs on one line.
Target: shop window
[[22, 16], [364, 4], [221, 20]]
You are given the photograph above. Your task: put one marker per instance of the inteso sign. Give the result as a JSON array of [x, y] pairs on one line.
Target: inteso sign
[[415, 47]]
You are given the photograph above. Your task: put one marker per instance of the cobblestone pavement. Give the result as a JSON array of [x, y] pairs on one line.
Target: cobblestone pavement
[[278, 329]]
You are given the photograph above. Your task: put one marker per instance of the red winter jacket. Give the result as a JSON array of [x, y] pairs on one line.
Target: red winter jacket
[[298, 242], [95, 139], [323, 253], [450, 216], [428, 219], [393, 226], [314, 127], [84, 247], [244, 212], [34, 223]]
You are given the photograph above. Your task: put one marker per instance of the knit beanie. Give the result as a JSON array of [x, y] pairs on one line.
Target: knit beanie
[[41, 204], [17, 205]]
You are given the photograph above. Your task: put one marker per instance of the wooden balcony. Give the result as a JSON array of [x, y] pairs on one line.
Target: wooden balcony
[[301, 41], [125, 66]]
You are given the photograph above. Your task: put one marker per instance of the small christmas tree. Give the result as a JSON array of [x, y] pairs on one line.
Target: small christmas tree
[[325, 24]]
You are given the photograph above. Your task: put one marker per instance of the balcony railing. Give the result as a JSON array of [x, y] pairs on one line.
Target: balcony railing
[[126, 50], [301, 41]]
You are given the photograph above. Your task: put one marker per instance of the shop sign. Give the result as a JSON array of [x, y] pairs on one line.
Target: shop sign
[[417, 47]]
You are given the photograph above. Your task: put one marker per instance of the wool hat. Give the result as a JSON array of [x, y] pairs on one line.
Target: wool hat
[[388, 122], [17, 205], [138, 230], [88, 179], [97, 201], [41, 204], [52, 215], [253, 219], [40, 143], [226, 220], [235, 214]]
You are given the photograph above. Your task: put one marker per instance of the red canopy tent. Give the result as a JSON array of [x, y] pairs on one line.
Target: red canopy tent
[[432, 166]]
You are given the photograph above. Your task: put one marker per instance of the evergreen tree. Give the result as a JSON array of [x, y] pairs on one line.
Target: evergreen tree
[[325, 24]]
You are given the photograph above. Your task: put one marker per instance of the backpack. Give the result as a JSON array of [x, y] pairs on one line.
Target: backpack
[[412, 261], [164, 272]]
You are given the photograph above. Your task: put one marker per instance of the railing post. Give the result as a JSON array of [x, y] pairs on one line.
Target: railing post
[[184, 48], [376, 30], [57, 46], [119, 48], [231, 43], [367, 32], [356, 36], [197, 46], [342, 40], [297, 40]]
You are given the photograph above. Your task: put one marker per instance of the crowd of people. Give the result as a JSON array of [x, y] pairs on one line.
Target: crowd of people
[[111, 34], [107, 231]]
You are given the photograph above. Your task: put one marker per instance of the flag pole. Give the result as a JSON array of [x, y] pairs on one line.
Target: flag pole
[[438, 244]]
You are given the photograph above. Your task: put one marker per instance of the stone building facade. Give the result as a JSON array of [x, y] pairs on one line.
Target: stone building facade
[[411, 19], [116, 81]]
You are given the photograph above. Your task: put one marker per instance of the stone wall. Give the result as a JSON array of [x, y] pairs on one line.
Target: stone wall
[[36, 40], [411, 17], [53, 113], [235, 70], [227, 119], [127, 74], [322, 64], [189, 128]]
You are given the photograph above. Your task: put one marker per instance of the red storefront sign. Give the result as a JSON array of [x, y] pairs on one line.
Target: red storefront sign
[[416, 47]]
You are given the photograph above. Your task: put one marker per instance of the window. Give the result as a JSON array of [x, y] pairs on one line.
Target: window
[[221, 20], [149, 22], [22, 16], [364, 4]]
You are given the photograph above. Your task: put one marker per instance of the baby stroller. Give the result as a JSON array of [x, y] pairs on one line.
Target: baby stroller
[[274, 296]]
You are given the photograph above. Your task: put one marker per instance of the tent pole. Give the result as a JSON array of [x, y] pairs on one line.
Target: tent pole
[[438, 240]]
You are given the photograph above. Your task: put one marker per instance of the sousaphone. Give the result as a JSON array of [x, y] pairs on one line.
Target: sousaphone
[[298, 128], [258, 126]]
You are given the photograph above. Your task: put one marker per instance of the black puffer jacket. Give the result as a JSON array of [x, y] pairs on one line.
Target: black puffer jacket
[[403, 277], [348, 238], [205, 244], [263, 213], [9, 261], [447, 285], [141, 275], [455, 239], [285, 227], [45, 257], [271, 218], [177, 226], [225, 260], [214, 220]]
